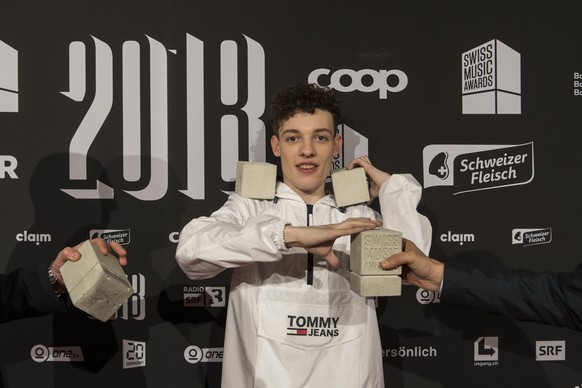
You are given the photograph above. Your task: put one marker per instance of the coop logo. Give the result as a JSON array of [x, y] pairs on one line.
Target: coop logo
[[459, 238], [354, 145], [194, 354], [312, 326], [134, 354], [427, 297], [469, 167], [120, 236], [346, 80], [486, 351], [204, 296], [36, 238], [550, 350], [8, 78], [8, 164], [491, 79], [241, 104], [527, 237], [41, 353]]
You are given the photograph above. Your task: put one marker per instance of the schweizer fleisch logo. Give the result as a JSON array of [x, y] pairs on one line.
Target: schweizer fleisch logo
[[469, 167]]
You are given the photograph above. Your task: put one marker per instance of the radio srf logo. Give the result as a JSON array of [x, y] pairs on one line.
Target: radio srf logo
[[491, 79], [531, 236], [477, 167]]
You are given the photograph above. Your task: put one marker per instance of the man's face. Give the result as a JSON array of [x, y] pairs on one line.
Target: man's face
[[306, 146]]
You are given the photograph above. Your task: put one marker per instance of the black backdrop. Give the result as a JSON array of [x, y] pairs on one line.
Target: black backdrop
[[161, 98]]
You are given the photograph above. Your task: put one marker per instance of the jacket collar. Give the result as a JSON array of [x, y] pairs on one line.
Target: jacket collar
[[285, 192]]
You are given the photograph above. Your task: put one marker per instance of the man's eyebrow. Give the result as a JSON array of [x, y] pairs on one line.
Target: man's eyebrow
[[290, 130]]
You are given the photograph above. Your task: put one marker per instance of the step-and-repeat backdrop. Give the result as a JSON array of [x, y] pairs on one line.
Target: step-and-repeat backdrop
[[125, 119]]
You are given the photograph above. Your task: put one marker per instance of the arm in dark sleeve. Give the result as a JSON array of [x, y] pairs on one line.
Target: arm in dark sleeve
[[27, 293], [550, 298]]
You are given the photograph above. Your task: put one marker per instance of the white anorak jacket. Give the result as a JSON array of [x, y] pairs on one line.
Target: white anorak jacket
[[290, 324]]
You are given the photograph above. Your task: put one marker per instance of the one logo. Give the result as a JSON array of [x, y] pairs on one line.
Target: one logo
[[312, 326], [8, 164], [135, 306], [193, 354], [550, 350], [491, 79], [41, 353], [120, 236], [244, 106], [354, 145], [8, 78], [134, 354], [529, 236], [346, 80], [36, 238], [469, 167], [200, 296], [486, 349], [459, 238], [426, 297]]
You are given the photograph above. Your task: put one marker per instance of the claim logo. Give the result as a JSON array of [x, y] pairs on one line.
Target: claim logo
[[529, 236], [469, 167], [36, 238], [459, 238], [8, 78], [120, 236], [491, 79]]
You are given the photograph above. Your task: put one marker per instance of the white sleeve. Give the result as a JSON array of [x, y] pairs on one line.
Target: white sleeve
[[399, 197], [228, 239]]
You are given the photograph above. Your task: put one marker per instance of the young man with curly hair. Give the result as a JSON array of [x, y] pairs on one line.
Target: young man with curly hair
[[292, 319]]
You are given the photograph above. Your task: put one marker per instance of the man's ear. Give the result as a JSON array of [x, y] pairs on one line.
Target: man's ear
[[338, 140], [275, 146]]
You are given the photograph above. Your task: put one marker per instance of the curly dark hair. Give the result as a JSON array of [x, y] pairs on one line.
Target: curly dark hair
[[303, 98]]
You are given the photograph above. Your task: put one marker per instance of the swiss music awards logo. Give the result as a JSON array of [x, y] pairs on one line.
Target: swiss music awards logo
[[491, 79], [469, 167], [8, 78]]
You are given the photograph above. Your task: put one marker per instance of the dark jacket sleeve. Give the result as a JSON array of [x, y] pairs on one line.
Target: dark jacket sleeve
[[27, 293], [552, 298]]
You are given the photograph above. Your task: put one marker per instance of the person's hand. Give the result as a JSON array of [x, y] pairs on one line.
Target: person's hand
[[319, 239], [72, 254], [417, 268], [377, 177]]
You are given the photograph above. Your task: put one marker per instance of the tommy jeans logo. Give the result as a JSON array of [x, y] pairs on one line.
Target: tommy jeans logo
[[491, 79], [477, 167], [312, 326]]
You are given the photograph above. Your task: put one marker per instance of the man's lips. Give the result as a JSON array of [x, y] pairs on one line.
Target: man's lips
[[307, 166]]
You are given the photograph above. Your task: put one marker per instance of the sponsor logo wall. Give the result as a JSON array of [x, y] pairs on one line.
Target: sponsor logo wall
[[125, 122]]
